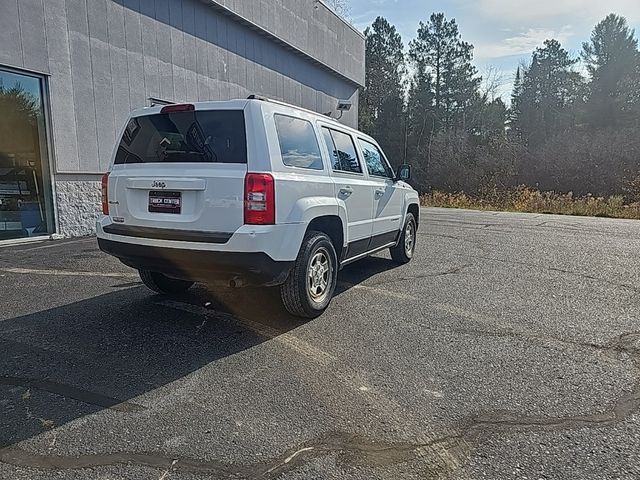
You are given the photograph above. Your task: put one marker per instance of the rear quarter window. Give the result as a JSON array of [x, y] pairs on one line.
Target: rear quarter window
[[201, 136], [298, 143]]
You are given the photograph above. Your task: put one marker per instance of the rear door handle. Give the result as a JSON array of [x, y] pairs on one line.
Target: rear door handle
[[346, 190], [379, 192]]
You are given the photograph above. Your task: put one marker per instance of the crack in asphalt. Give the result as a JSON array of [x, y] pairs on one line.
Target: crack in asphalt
[[474, 224], [473, 241], [628, 344], [501, 330], [449, 271], [439, 235], [598, 279], [509, 333], [560, 270], [353, 450], [75, 393]]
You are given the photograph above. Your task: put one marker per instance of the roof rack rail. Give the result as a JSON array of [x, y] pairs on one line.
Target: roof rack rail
[[154, 102], [280, 102]]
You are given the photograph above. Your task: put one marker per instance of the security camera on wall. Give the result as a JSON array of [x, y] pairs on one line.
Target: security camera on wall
[[344, 105]]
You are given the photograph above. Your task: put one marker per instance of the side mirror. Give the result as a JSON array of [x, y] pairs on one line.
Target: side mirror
[[404, 172]]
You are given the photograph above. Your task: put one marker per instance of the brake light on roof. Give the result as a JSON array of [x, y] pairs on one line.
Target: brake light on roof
[[105, 194], [259, 199], [178, 107]]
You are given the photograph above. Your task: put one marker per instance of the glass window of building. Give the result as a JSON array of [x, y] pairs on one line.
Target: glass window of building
[[26, 207]]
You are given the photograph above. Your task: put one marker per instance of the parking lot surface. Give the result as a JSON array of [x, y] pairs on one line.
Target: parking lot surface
[[508, 348]]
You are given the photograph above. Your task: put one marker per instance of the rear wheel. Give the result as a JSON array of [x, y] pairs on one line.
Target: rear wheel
[[403, 251], [160, 283], [312, 281]]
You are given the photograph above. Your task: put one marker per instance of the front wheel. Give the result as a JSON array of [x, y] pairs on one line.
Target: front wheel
[[312, 281], [160, 283], [403, 251]]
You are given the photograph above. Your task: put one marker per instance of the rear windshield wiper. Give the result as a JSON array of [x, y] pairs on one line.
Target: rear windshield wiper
[[187, 153]]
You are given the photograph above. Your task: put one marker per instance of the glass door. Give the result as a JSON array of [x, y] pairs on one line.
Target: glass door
[[26, 205]]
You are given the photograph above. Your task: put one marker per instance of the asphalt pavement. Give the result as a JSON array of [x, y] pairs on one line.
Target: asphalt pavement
[[509, 348]]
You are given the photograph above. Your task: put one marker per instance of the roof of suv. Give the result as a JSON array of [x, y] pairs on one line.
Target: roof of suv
[[264, 103], [274, 105], [211, 105]]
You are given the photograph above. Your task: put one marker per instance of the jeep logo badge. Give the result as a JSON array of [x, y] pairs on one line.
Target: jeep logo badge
[[157, 184]]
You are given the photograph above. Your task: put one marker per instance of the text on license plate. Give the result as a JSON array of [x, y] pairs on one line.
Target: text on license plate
[[165, 202]]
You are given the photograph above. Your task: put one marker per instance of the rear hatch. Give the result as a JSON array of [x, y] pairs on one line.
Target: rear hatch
[[181, 169]]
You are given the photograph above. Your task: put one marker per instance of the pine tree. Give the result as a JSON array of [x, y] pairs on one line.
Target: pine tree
[[549, 95], [420, 124], [613, 63], [382, 99], [440, 51], [516, 110]]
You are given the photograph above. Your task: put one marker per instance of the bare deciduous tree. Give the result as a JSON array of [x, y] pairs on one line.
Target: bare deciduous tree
[[493, 79], [341, 7]]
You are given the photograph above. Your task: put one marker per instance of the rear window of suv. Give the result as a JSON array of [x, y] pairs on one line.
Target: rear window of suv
[[204, 136]]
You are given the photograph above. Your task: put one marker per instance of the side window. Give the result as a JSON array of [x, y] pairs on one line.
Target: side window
[[298, 143], [376, 164], [342, 151]]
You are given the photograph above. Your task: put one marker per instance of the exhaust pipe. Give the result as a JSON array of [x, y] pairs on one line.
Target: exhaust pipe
[[236, 282]]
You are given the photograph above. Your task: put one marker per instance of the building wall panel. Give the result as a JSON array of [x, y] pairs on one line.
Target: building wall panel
[[105, 58], [32, 35], [81, 77], [10, 43], [61, 93]]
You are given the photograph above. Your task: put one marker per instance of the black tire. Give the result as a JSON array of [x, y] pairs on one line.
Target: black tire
[[298, 292], [160, 283], [402, 252]]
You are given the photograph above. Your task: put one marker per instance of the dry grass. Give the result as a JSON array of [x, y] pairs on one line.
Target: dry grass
[[524, 199]]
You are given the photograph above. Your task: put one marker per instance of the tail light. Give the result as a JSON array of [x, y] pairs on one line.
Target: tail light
[[178, 107], [259, 199], [105, 194]]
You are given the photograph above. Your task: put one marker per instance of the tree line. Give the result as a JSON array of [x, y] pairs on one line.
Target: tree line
[[572, 123]]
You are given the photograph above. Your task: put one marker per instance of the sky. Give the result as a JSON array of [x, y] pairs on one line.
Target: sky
[[503, 32]]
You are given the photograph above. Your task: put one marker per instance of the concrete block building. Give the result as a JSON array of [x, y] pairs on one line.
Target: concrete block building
[[71, 70]]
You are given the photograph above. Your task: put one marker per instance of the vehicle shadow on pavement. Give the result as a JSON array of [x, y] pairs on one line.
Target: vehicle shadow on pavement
[[100, 353], [358, 272], [67, 362]]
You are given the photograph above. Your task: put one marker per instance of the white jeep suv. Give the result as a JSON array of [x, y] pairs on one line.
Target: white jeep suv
[[251, 192]]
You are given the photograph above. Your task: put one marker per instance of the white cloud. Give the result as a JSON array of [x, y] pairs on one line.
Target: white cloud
[[521, 44], [504, 32], [364, 19], [523, 10]]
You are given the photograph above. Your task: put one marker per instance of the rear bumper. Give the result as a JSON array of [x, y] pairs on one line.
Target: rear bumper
[[254, 268], [279, 242]]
